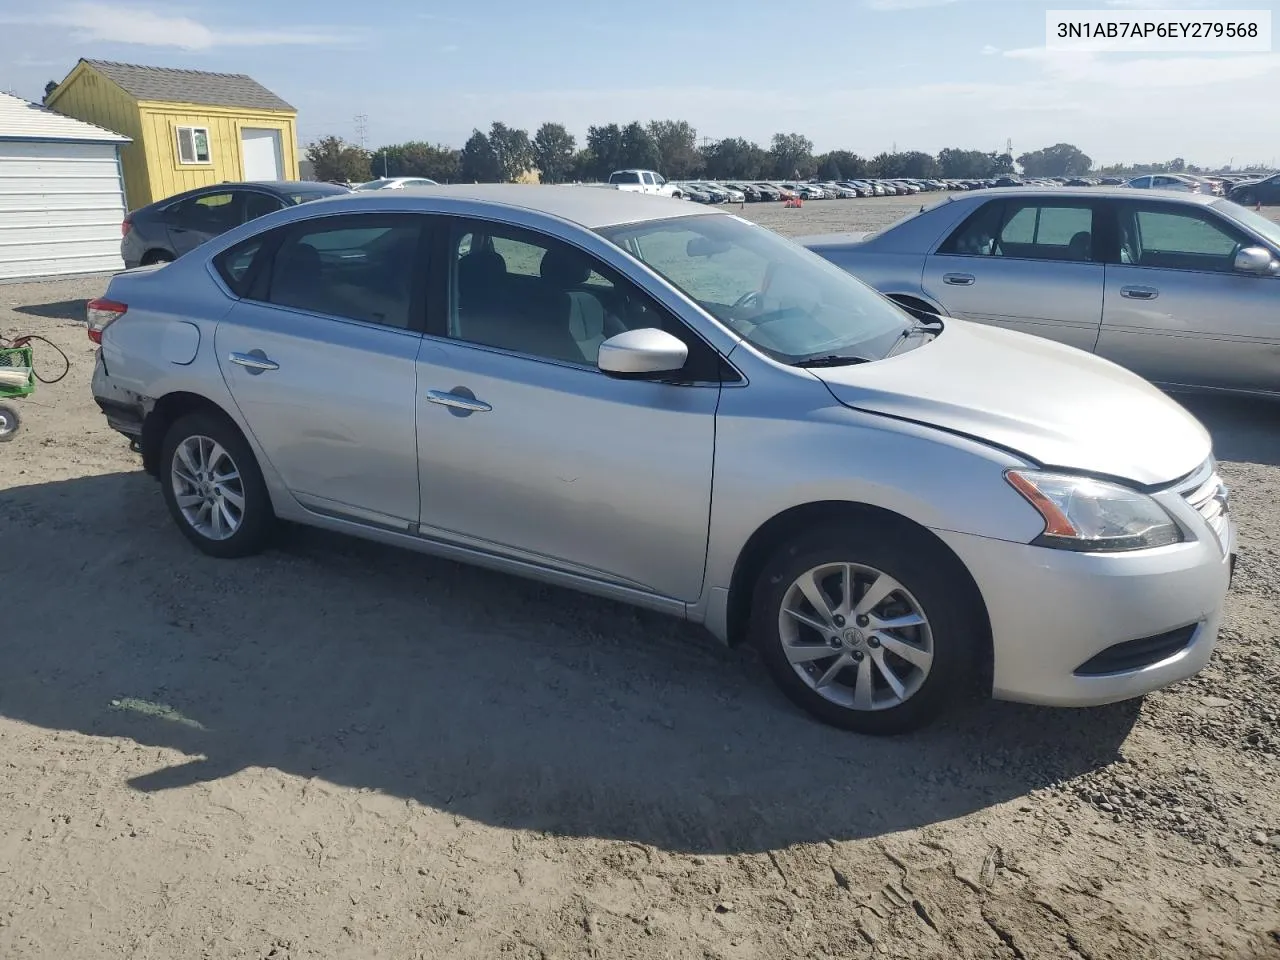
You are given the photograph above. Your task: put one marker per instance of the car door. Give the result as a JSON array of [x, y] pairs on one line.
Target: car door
[[197, 219], [1024, 264], [1176, 310], [529, 451], [320, 357]]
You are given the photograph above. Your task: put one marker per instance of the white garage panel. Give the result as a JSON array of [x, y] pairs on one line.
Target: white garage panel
[[61, 204], [260, 153]]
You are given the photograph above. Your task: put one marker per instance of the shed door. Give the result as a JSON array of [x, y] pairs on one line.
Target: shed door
[[260, 150], [61, 204]]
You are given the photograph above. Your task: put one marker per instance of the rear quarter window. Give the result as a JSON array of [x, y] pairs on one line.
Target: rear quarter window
[[235, 265]]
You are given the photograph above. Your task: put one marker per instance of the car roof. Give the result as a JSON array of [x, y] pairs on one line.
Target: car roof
[[588, 206], [1131, 193]]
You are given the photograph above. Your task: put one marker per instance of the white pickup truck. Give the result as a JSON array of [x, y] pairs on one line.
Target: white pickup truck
[[642, 181]]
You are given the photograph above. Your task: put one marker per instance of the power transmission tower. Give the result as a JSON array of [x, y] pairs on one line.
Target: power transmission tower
[[362, 129]]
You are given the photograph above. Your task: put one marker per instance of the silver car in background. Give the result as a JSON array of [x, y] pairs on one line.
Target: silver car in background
[[676, 408], [1181, 288]]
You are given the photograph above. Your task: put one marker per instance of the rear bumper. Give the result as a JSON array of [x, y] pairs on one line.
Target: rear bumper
[[124, 410], [1076, 630]]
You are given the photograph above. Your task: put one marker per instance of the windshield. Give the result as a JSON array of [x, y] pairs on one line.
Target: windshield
[[372, 185], [1259, 224], [784, 300]]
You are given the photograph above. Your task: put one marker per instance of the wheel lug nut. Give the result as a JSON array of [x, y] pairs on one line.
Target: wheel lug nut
[[863, 620], [839, 620], [873, 642], [857, 656], [835, 641]]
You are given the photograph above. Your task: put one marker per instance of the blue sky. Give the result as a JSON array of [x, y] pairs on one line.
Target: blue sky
[[857, 74]]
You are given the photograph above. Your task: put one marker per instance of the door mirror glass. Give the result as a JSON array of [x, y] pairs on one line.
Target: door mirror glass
[[1254, 260], [642, 353]]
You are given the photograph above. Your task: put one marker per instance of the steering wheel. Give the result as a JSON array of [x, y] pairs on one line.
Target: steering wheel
[[750, 298]]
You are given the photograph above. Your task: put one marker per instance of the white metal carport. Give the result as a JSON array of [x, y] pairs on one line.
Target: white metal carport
[[61, 194]]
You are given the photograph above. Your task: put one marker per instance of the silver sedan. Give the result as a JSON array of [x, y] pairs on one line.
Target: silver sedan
[[678, 409], [1181, 288]]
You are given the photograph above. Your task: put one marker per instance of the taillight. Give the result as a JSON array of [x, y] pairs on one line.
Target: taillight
[[125, 226], [101, 314]]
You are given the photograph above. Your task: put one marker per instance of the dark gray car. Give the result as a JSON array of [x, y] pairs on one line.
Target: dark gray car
[[165, 230]]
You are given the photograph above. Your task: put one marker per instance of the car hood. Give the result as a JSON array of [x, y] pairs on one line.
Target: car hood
[[1053, 404]]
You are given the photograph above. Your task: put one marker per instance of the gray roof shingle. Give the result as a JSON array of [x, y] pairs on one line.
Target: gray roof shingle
[[189, 86]]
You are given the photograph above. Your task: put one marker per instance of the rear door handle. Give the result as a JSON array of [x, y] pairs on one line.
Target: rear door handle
[[257, 363], [1139, 293], [958, 279], [457, 401]]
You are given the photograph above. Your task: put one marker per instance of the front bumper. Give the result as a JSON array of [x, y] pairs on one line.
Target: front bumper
[[1055, 615]]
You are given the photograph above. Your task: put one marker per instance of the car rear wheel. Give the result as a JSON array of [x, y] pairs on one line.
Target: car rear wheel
[[214, 488], [863, 628], [156, 256]]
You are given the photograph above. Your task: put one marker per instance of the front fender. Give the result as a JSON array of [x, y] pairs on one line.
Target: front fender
[[807, 448]]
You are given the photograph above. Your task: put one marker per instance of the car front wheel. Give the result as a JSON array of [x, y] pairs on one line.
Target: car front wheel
[[864, 629], [213, 487]]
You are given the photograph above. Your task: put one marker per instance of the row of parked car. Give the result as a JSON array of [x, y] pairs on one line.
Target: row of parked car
[[1239, 188]]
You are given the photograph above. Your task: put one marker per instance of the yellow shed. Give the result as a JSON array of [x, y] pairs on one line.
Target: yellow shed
[[188, 128]]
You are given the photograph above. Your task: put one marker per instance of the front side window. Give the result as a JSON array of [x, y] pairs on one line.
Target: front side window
[[1260, 225], [1026, 231], [193, 144], [525, 292], [786, 301], [1161, 236], [358, 267]]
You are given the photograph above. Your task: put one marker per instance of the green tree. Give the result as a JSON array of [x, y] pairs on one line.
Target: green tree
[[512, 150], [478, 163], [840, 165], [791, 155], [918, 165], [1060, 160], [335, 159], [638, 148], [605, 144], [416, 159], [735, 158], [584, 165], [676, 140], [954, 162], [1000, 164], [49, 87], [553, 152]]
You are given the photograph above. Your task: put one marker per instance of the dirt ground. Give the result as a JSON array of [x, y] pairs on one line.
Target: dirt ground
[[338, 750]]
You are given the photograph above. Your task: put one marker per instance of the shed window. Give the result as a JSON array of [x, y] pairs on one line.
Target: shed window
[[193, 145]]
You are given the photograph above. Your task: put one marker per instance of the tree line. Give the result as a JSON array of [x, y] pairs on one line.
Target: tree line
[[671, 147]]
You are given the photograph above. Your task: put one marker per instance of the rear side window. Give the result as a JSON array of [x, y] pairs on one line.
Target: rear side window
[[625, 176], [1034, 230], [363, 268], [260, 204], [235, 264]]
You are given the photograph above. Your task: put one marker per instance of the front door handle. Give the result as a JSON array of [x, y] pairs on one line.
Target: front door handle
[[1139, 293], [257, 361], [958, 279], [457, 401]]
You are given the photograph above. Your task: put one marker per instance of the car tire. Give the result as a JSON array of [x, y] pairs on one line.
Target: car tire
[[152, 257], [849, 685], [9, 422], [213, 486]]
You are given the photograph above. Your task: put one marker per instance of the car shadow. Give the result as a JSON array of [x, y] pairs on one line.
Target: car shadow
[[1244, 429], [499, 699], [60, 310]]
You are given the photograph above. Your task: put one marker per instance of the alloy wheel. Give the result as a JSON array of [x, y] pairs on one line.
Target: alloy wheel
[[856, 636], [208, 488]]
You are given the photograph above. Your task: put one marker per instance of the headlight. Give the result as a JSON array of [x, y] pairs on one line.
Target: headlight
[[1084, 514]]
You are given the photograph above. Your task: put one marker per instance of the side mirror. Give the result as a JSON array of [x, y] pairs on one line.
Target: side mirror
[[637, 354], [1256, 260]]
